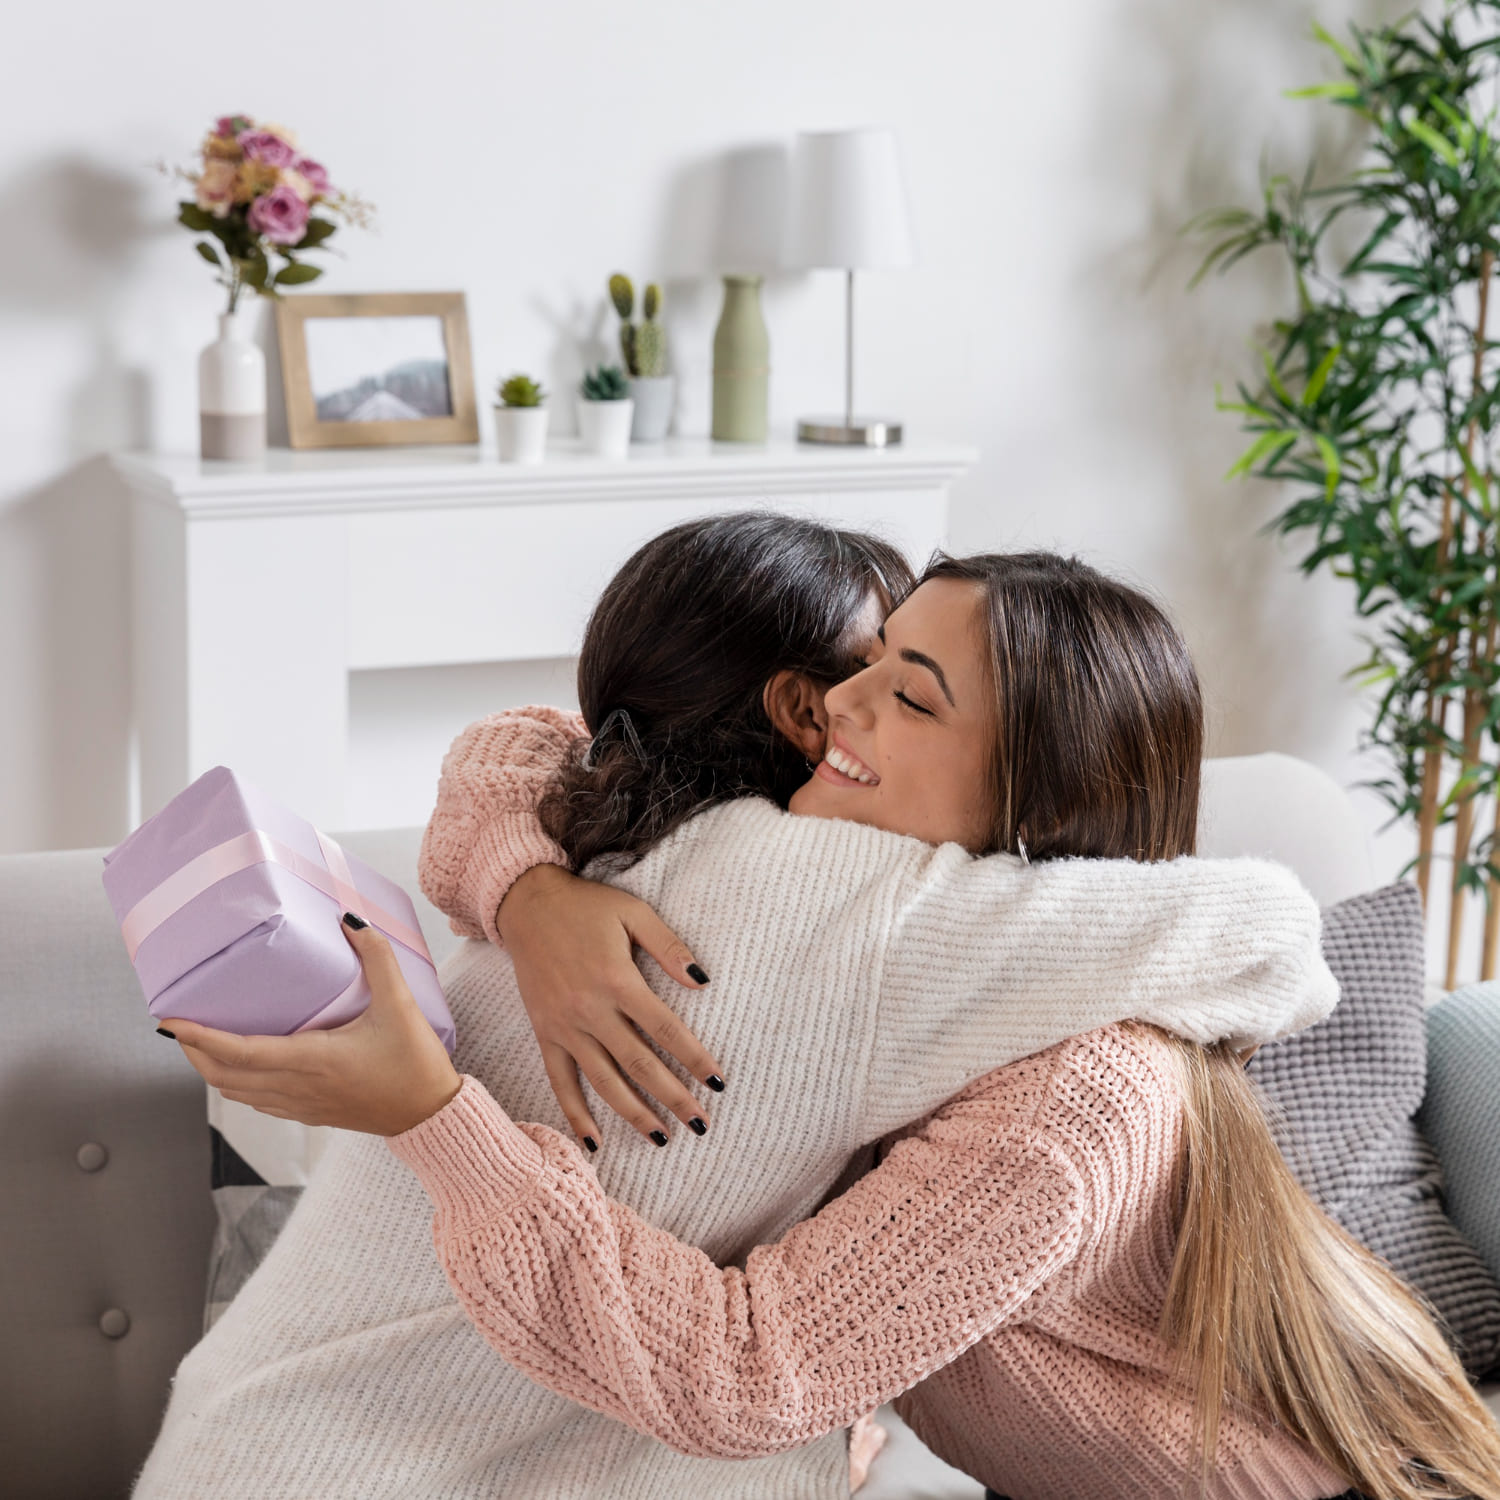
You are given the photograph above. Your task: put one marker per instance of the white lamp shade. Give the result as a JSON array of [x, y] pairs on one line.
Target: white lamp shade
[[849, 208]]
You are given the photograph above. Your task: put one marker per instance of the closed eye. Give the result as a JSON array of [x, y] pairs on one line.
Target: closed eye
[[915, 707]]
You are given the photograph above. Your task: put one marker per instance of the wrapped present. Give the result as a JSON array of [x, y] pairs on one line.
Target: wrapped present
[[230, 906]]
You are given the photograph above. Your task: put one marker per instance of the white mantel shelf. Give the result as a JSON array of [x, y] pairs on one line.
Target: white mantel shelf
[[291, 482], [260, 587]]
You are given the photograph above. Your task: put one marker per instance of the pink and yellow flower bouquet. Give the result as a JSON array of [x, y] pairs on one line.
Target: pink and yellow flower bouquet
[[259, 196]]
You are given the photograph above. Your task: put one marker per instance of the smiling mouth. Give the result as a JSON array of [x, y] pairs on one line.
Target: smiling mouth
[[846, 768]]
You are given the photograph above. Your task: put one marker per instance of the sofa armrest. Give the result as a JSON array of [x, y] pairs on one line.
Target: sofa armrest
[[1461, 1111]]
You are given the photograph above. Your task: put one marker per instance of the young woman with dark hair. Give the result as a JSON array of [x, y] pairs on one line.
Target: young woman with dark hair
[[860, 978]]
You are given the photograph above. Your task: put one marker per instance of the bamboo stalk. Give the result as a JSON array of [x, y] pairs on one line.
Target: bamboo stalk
[[1490, 951], [1481, 651]]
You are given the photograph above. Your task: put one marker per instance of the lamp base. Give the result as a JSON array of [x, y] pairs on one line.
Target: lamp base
[[861, 432]]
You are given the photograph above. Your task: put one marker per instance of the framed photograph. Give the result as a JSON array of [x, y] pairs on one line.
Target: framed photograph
[[375, 368]]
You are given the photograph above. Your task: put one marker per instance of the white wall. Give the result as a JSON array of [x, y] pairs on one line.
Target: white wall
[[522, 152]]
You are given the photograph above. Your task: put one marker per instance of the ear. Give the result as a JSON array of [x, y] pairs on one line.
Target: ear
[[794, 704]]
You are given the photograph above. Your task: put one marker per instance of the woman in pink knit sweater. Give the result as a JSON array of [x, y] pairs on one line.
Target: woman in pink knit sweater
[[1078, 1313]]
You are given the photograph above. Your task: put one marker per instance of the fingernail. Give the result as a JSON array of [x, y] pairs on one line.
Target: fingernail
[[659, 1136], [695, 973], [715, 1083], [350, 920], [162, 1031], [697, 1126], [591, 1143]]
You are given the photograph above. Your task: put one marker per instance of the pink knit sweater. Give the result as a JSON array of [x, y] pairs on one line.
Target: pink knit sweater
[[1002, 1271]]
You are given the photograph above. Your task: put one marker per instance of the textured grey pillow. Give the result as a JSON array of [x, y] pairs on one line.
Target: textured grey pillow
[[1345, 1092]]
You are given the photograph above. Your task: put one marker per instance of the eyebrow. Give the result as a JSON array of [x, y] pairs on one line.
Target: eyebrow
[[921, 659]]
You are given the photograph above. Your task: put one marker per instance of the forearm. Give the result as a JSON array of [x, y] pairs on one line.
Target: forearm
[[1020, 957], [587, 1299], [484, 832]]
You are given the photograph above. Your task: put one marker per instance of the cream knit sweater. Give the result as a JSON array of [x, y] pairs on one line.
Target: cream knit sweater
[[860, 978]]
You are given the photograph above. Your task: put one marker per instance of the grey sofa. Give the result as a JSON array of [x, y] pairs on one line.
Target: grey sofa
[[104, 1150]]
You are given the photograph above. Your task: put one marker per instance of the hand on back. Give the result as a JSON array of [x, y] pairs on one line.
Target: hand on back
[[573, 943]]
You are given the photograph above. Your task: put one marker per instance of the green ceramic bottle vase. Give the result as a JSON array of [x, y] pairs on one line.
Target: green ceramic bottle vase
[[742, 364]]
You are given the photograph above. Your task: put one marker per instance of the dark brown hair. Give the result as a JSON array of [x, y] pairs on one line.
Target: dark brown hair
[[675, 662], [1099, 728], [1272, 1308]]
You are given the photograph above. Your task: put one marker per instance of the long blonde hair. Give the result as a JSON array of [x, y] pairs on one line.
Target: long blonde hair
[[1272, 1309]]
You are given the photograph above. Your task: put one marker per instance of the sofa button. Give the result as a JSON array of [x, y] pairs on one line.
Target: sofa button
[[92, 1156], [114, 1323]]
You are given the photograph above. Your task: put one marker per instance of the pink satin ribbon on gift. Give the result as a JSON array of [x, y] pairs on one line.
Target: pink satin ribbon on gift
[[258, 848]]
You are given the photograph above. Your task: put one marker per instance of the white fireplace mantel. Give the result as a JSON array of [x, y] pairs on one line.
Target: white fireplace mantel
[[260, 587]]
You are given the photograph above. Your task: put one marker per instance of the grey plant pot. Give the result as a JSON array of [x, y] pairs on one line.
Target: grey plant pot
[[654, 397]]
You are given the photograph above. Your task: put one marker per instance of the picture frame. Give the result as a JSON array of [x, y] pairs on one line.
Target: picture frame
[[369, 369]]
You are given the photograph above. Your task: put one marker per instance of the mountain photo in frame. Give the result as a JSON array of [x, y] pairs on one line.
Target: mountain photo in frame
[[376, 368]]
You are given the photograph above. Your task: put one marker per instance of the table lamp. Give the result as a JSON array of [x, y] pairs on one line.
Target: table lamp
[[849, 212]]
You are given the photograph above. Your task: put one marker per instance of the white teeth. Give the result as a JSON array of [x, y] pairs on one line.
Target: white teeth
[[846, 765]]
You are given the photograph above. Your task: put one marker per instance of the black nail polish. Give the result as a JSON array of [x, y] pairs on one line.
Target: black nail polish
[[350, 920], [715, 1083], [697, 1126], [591, 1143], [170, 1035], [695, 972], [659, 1136]]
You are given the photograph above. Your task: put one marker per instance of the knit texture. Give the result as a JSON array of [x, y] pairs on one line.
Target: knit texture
[[347, 1343], [483, 832], [1016, 1249], [1343, 1096]]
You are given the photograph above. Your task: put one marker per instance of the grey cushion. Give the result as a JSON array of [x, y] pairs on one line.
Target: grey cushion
[[1345, 1093]]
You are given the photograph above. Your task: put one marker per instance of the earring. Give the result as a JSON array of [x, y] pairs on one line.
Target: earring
[[1021, 847]]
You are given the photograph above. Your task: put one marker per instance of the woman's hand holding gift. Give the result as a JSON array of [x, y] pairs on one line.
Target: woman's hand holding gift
[[382, 1073]]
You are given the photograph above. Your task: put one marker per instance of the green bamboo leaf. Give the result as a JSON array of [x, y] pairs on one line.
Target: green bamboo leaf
[[1274, 380], [1264, 444], [1435, 142], [1335, 46], [1331, 463], [1319, 377], [1324, 91]]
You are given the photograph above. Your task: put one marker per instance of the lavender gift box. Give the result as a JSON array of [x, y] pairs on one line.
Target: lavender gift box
[[231, 907]]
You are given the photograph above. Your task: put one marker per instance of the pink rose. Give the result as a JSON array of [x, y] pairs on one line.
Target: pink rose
[[261, 145], [315, 174], [281, 216]]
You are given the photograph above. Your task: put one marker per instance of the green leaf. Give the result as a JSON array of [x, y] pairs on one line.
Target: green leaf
[[1274, 380], [1438, 144], [196, 218], [209, 254], [1319, 377], [1324, 91], [317, 231], [1266, 443], [295, 274], [1331, 463], [1335, 46]]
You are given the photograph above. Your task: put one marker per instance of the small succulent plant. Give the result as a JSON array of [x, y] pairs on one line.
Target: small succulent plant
[[644, 344], [521, 390], [607, 383]]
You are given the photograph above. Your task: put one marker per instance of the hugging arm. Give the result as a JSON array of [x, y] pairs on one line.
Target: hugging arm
[[487, 863], [587, 1299]]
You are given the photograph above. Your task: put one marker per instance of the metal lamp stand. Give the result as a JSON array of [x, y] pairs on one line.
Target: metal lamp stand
[[852, 431]]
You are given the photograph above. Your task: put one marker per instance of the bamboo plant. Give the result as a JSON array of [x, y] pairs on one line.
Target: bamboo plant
[[1376, 405]]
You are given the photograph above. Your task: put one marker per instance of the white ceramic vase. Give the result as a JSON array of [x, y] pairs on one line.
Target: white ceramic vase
[[653, 396], [232, 392], [605, 426], [521, 433]]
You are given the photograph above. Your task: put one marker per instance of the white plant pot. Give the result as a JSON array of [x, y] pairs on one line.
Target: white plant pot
[[653, 396], [232, 392], [605, 426], [521, 432]]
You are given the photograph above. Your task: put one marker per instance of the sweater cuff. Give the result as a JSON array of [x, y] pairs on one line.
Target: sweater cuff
[[509, 844], [470, 1156]]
